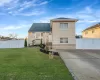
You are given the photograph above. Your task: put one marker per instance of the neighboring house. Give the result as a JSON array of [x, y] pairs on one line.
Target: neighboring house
[[60, 32], [92, 32]]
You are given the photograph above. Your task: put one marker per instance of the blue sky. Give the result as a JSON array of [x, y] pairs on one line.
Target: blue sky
[[17, 16]]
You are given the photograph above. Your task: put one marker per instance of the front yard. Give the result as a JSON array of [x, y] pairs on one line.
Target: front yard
[[31, 64]]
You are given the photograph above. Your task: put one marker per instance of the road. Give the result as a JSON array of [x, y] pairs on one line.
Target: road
[[83, 64]]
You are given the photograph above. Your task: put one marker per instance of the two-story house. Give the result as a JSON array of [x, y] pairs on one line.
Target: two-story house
[[60, 32]]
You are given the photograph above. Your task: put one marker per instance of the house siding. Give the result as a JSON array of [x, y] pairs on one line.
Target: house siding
[[30, 38], [33, 36], [95, 34], [37, 37], [57, 34]]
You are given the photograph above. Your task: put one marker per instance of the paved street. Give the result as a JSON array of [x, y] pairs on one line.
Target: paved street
[[83, 64]]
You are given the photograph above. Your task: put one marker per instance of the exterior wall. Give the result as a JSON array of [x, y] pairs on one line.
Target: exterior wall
[[46, 37], [69, 33], [33, 36], [37, 36], [89, 34], [37, 42], [64, 46], [50, 38], [30, 38]]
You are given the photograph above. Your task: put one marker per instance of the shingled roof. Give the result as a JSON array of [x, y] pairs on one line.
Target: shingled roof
[[64, 19], [40, 27]]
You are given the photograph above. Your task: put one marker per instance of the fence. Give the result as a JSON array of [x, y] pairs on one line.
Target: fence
[[12, 44], [87, 43], [80, 44]]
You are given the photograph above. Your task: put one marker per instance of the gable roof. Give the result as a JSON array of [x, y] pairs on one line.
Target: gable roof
[[96, 25], [40, 27], [64, 19]]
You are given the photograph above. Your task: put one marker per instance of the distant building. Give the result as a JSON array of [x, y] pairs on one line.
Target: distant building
[[3, 38], [78, 36], [92, 32]]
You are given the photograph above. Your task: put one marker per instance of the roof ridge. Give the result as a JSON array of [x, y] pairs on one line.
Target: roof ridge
[[41, 23], [91, 26]]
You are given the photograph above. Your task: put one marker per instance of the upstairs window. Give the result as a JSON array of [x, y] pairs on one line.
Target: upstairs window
[[63, 26], [63, 40]]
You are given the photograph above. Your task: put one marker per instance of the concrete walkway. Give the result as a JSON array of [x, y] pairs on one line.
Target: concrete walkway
[[83, 64]]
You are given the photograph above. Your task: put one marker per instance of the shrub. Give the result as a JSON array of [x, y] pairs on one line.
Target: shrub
[[42, 45], [25, 43]]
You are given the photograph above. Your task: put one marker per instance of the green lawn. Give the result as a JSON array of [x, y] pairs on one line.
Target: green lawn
[[31, 64]]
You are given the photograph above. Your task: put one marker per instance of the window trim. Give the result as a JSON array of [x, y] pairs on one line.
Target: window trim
[[63, 42], [63, 26]]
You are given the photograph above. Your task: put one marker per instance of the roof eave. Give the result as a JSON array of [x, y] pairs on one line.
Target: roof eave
[[39, 31], [74, 20]]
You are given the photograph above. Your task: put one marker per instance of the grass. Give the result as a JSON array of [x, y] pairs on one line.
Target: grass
[[31, 64]]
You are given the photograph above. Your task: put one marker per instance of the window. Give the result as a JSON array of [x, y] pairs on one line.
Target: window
[[63, 40], [92, 31], [63, 26], [37, 35], [86, 33]]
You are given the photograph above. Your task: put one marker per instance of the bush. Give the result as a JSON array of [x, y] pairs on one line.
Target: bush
[[25, 43], [44, 51], [42, 45]]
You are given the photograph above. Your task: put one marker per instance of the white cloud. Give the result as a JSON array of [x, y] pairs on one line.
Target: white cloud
[[33, 13], [43, 3], [65, 8], [88, 9], [11, 28], [2, 2], [15, 7], [29, 4], [25, 5], [14, 29]]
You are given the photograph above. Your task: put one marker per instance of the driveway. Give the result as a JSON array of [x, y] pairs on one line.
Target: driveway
[[83, 64]]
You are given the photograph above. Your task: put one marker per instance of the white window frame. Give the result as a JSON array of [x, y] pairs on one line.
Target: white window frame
[[62, 40], [63, 26]]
